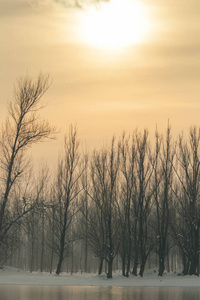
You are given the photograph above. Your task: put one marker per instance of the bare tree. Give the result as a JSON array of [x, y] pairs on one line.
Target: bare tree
[[127, 167], [66, 191], [85, 206], [163, 199], [22, 129], [104, 191], [142, 200], [187, 227]]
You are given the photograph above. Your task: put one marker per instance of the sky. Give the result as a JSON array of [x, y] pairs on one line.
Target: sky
[[143, 84]]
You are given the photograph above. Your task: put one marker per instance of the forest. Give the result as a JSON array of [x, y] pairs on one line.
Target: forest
[[130, 205]]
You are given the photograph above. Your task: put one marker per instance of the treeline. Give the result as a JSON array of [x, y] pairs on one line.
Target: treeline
[[134, 201]]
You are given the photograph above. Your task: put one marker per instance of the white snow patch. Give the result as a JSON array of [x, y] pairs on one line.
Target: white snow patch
[[12, 276]]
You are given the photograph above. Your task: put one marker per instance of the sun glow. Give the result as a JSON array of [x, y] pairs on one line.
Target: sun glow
[[116, 24]]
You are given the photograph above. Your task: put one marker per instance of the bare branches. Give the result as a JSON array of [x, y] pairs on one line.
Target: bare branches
[[65, 195], [187, 226], [22, 129]]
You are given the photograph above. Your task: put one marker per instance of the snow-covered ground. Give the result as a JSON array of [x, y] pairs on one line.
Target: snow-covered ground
[[13, 276]]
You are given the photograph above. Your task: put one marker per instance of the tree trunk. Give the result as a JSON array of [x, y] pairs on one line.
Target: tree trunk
[[185, 262], [101, 266], [142, 267], [58, 270], [72, 266], [128, 260], [110, 263], [192, 269], [135, 265], [161, 254], [123, 260], [42, 242], [161, 266], [32, 254], [51, 261], [62, 242], [52, 240], [61, 256]]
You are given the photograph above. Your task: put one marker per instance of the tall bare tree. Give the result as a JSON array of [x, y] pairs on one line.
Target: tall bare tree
[[142, 200], [67, 188], [164, 200], [83, 224], [187, 226], [104, 194], [22, 129], [127, 166]]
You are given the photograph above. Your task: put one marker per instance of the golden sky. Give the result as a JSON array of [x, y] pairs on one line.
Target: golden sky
[[105, 91]]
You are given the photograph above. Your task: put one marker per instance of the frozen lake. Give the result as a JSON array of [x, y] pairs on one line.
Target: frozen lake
[[31, 292]]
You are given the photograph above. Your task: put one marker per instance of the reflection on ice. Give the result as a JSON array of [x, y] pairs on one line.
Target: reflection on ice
[[18, 292]]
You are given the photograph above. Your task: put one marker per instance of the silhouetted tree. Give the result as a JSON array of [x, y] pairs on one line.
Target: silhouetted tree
[[22, 129], [142, 201], [65, 203], [187, 225], [163, 200], [104, 193], [127, 166]]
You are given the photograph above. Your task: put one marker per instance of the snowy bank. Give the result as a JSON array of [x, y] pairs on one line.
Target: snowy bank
[[12, 276]]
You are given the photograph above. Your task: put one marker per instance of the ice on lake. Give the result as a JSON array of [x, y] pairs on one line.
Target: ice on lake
[[31, 292]]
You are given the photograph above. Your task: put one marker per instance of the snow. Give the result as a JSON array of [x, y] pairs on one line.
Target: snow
[[12, 276]]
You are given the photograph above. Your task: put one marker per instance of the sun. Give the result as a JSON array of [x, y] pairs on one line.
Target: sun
[[116, 24]]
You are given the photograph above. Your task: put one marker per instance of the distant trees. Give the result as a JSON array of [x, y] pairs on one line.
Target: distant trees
[[21, 130], [131, 199]]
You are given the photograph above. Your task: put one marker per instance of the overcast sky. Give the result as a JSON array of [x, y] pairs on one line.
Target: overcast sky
[[104, 92]]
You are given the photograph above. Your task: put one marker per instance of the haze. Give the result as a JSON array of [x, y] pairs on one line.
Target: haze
[[104, 92]]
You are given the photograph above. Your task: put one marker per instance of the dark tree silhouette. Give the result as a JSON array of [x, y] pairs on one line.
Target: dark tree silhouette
[[22, 129]]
